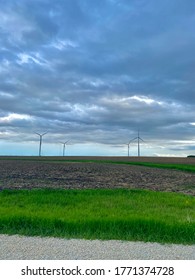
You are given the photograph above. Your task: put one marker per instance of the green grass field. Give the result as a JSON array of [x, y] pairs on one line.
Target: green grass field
[[99, 214], [181, 167]]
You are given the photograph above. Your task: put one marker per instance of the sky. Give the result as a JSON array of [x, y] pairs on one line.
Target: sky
[[95, 73]]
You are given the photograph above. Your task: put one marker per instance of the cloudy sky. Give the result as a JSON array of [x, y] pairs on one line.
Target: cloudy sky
[[95, 72]]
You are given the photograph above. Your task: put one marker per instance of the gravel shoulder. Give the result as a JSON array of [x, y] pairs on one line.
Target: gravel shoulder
[[17, 247]]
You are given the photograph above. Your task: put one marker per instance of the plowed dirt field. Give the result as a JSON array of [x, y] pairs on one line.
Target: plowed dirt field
[[28, 174]]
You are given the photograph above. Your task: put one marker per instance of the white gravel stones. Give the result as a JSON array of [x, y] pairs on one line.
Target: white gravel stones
[[17, 247]]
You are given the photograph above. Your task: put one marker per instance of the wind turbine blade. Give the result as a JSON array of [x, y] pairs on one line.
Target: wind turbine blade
[[37, 133], [133, 139], [141, 139], [44, 133]]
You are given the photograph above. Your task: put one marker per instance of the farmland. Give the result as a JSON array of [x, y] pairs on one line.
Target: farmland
[[99, 198], [98, 172]]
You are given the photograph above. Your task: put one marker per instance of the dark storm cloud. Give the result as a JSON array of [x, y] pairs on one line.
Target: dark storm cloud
[[98, 68]]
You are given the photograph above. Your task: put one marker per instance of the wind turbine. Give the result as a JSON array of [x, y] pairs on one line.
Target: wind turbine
[[128, 144], [40, 144], [138, 143], [64, 147]]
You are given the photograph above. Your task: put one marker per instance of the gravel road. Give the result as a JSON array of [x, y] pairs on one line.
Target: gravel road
[[17, 247]]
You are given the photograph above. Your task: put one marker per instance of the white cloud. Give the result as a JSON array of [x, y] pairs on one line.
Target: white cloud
[[131, 101], [145, 99], [25, 58], [185, 142], [5, 95], [94, 82], [36, 58], [169, 155], [13, 116], [64, 44]]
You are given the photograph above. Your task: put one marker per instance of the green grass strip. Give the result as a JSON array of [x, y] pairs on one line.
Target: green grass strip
[[181, 167], [99, 214]]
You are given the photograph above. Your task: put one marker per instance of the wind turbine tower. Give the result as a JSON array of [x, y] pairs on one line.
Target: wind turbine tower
[[138, 143], [128, 145], [40, 143], [64, 147]]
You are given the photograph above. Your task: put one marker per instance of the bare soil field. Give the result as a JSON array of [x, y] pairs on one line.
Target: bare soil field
[[177, 160], [28, 174], [171, 160]]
